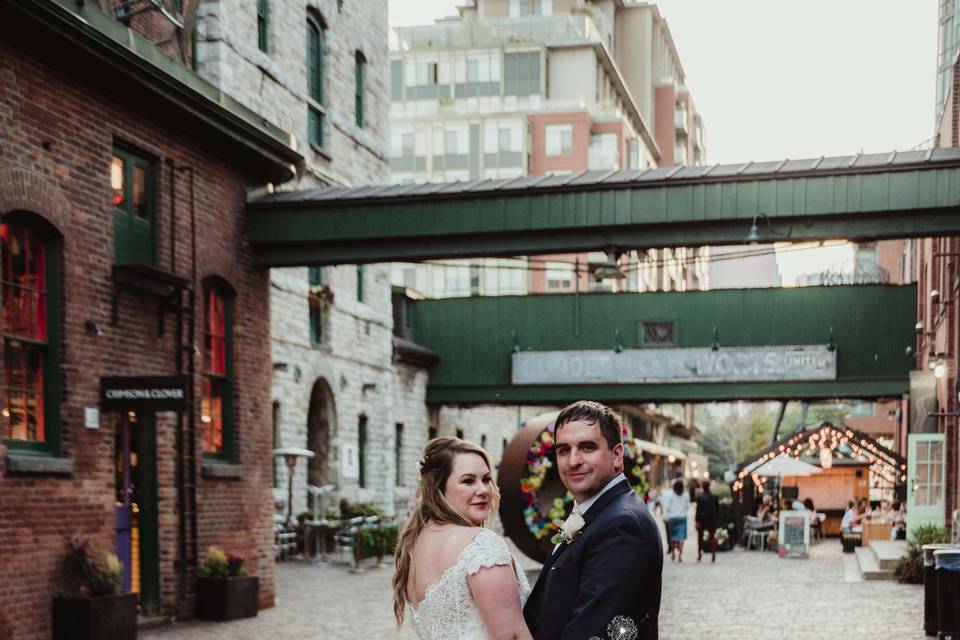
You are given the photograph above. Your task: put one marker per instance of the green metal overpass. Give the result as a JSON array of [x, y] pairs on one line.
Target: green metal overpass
[[860, 198], [728, 344]]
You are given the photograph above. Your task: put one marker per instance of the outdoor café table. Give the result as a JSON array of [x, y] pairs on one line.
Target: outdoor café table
[[875, 530]]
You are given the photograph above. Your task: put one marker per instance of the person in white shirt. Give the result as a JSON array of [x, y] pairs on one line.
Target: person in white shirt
[[676, 505], [846, 524]]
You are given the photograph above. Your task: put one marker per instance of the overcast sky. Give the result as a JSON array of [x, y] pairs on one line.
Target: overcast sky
[[780, 79]]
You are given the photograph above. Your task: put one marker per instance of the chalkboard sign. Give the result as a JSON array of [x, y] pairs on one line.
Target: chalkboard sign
[[794, 534]]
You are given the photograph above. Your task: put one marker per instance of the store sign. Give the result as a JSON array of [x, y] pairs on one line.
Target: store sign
[[150, 393], [653, 366], [793, 536]]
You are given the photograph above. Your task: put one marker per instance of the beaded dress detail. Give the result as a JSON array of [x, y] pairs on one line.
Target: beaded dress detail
[[447, 611]]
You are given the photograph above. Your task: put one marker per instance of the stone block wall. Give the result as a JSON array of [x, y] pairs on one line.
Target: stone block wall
[[354, 360]]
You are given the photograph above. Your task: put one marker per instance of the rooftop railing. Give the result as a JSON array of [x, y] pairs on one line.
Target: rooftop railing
[[497, 32]]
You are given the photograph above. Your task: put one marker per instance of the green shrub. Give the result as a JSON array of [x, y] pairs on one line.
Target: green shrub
[[910, 567], [88, 573], [721, 490], [365, 509], [220, 564]]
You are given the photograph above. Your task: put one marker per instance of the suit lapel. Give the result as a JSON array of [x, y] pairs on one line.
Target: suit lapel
[[616, 490]]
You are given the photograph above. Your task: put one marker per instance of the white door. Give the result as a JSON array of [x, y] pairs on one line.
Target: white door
[[925, 479]]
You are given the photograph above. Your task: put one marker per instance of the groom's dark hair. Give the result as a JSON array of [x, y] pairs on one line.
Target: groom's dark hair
[[590, 411]]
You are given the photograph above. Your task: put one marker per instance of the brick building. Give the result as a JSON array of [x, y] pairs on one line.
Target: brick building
[[114, 157]]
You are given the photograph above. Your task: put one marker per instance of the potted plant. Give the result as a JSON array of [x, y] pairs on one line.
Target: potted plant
[[92, 607], [224, 590]]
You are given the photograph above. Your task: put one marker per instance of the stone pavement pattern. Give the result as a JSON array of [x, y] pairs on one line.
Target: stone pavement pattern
[[744, 595]]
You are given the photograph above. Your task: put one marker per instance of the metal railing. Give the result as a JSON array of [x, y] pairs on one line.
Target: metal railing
[[500, 31]]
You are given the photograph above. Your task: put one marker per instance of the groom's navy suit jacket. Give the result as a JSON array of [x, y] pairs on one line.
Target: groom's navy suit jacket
[[613, 568]]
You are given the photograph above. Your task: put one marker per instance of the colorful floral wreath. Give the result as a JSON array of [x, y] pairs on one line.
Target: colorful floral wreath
[[539, 462]]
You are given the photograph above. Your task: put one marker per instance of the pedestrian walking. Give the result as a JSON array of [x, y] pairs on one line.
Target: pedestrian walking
[[676, 506], [708, 519]]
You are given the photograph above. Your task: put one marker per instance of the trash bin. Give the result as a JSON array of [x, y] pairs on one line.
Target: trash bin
[[947, 562], [930, 610]]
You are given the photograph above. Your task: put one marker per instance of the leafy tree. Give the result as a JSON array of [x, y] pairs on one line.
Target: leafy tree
[[735, 433]]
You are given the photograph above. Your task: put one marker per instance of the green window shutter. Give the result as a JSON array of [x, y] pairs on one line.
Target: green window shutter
[[361, 272], [315, 60], [263, 28], [360, 80], [133, 218], [362, 450], [315, 126]]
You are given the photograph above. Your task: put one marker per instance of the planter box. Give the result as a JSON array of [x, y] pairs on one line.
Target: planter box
[[227, 598], [104, 618]]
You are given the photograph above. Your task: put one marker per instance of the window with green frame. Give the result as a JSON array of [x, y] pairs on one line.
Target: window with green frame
[[316, 112], [362, 449], [315, 299], [263, 25], [133, 183], [216, 403], [361, 71], [30, 275]]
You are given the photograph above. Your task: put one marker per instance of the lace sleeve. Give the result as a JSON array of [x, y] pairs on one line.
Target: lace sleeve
[[487, 550]]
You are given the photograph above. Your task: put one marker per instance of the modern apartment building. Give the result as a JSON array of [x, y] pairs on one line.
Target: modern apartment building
[[519, 87]]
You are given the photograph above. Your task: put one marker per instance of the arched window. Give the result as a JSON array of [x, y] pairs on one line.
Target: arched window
[[216, 404], [30, 336], [316, 49], [361, 72]]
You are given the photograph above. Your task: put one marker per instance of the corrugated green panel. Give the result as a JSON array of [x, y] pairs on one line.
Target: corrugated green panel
[[872, 326], [875, 194], [680, 203], [820, 195], [713, 202], [872, 388], [904, 190]]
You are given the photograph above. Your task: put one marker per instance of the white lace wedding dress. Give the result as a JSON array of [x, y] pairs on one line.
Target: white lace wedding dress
[[447, 611]]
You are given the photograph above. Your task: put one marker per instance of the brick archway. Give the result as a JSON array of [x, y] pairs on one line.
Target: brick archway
[[25, 190]]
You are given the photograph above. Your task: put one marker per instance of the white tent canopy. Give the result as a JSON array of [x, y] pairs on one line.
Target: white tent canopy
[[786, 466]]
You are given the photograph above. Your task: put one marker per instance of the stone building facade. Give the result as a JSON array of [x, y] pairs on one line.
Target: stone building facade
[[309, 68], [113, 154]]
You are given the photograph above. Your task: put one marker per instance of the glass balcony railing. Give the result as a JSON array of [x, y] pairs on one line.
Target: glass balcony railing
[[499, 32]]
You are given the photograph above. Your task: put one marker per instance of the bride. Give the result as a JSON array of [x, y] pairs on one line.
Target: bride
[[458, 578]]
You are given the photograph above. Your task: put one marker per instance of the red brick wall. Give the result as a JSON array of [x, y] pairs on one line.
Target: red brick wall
[[576, 160], [664, 127], [58, 125]]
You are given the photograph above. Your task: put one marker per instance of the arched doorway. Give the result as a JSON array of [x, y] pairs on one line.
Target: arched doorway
[[321, 423]]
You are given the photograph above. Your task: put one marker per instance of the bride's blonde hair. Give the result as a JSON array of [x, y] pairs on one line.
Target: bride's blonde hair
[[430, 505]]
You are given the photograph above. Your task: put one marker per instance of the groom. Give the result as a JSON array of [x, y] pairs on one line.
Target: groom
[[603, 578]]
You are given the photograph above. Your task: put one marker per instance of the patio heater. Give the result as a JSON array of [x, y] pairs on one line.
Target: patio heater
[[290, 455]]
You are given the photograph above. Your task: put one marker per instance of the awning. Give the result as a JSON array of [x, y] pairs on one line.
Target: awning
[[659, 449]]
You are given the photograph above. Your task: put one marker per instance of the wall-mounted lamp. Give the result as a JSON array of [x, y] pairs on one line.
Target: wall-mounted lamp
[[715, 345], [940, 365], [935, 296], [831, 343], [93, 328], [618, 343], [516, 345], [918, 327], [754, 236], [610, 268]]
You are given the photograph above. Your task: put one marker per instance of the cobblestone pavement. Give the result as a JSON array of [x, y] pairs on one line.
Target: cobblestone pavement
[[744, 595]]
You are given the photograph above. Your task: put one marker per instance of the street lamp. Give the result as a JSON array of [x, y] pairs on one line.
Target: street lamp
[[290, 455]]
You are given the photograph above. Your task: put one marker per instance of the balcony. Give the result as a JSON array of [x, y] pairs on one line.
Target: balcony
[[680, 122], [500, 32]]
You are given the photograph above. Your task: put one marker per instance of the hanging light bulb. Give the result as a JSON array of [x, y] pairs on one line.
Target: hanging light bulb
[[826, 458]]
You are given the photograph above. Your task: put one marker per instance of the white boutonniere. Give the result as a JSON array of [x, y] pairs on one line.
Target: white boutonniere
[[570, 528]]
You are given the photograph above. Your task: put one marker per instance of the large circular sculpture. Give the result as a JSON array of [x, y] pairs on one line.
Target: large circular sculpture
[[533, 500]]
